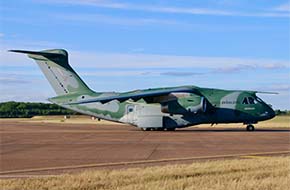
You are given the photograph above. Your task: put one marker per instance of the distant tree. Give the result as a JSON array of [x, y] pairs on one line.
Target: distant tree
[[280, 112], [27, 109]]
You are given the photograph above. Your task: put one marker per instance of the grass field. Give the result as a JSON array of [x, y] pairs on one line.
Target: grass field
[[278, 121], [267, 173]]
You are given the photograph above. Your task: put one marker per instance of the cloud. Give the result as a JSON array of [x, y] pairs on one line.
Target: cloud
[[166, 9], [16, 96], [137, 50], [127, 61], [1, 35], [143, 61], [112, 73], [98, 3], [180, 74], [99, 18], [283, 8], [280, 87], [244, 67], [9, 81]]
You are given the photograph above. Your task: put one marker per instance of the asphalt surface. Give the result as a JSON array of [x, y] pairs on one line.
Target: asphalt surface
[[27, 147]]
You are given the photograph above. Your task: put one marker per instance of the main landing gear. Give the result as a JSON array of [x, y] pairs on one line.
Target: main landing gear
[[158, 129], [250, 127], [146, 129]]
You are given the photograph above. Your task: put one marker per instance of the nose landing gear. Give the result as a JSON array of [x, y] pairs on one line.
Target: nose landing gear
[[250, 127]]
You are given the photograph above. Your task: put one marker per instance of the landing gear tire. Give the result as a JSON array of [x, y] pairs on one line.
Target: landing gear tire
[[170, 129], [250, 128], [159, 129], [146, 129]]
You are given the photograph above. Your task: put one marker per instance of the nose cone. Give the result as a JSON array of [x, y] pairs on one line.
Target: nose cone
[[271, 112], [268, 113]]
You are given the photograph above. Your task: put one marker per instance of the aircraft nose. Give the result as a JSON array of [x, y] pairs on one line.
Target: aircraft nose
[[271, 113], [267, 112]]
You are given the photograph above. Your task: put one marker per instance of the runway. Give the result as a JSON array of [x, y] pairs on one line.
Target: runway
[[50, 148]]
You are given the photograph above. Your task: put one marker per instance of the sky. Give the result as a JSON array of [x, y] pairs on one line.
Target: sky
[[125, 45]]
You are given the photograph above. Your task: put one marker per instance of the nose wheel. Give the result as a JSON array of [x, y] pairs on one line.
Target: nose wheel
[[250, 128]]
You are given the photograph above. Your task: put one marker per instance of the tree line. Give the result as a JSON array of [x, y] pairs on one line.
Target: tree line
[[28, 109]]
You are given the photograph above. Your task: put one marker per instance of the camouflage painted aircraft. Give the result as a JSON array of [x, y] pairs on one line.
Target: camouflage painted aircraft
[[150, 109]]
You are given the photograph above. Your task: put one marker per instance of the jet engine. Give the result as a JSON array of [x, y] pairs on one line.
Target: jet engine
[[184, 105]]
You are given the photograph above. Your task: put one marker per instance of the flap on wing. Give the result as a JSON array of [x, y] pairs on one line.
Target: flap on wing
[[137, 95]]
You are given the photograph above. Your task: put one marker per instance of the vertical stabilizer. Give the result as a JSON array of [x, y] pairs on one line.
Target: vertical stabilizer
[[54, 65]]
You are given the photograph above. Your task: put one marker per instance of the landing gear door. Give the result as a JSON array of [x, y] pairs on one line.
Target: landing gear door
[[131, 113]]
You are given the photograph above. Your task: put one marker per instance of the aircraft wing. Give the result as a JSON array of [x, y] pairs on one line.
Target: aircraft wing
[[139, 94]]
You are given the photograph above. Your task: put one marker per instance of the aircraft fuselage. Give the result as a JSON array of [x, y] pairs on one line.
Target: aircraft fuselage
[[222, 106]]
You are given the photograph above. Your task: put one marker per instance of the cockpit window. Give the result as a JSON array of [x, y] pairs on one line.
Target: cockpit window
[[259, 100], [249, 100], [245, 101]]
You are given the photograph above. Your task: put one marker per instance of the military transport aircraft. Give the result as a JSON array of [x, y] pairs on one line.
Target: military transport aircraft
[[150, 109]]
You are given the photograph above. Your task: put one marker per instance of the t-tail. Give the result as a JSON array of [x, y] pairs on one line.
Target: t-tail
[[54, 65]]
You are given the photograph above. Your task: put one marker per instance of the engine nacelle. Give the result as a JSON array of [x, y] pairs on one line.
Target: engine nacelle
[[192, 104]]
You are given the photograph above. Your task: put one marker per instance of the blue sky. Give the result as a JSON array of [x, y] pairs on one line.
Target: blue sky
[[126, 45]]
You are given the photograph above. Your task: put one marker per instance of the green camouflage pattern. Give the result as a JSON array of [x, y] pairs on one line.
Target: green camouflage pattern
[[172, 107]]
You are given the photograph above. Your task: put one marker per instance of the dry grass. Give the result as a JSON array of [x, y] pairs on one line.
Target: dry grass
[[277, 122], [267, 173], [60, 119], [72, 120]]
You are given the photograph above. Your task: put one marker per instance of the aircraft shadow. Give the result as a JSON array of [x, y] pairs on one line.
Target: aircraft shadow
[[233, 130], [218, 130]]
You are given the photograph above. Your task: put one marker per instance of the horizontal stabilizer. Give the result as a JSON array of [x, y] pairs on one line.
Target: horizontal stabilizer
[[55, 52]]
